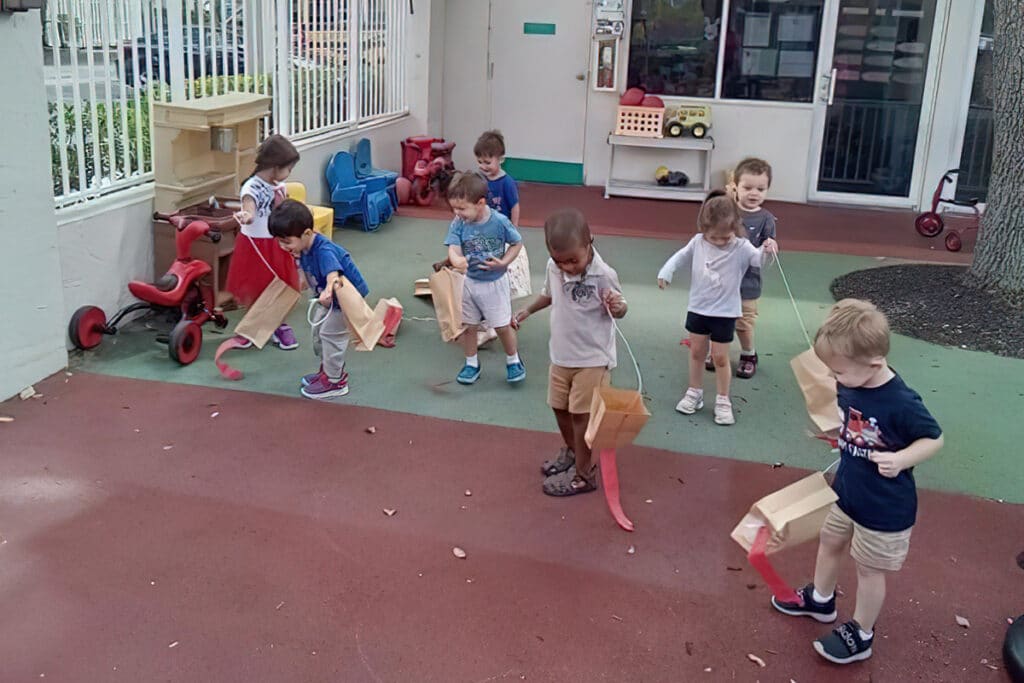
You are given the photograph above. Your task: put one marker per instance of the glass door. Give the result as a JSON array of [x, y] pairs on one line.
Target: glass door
[[976, 157], [870, 114]]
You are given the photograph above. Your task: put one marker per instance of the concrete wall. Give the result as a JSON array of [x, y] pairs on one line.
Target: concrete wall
[[32, 331], [777, 132]]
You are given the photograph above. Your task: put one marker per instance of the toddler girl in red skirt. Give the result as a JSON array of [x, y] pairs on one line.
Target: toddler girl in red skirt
[[257, 256]]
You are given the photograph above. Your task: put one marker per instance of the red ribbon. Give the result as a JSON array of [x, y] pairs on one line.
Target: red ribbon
[[610, 483], [780, 589], [226, 370]]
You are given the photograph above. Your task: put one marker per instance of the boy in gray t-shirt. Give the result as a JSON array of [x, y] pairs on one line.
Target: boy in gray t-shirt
[[751, 180], [584, 295]]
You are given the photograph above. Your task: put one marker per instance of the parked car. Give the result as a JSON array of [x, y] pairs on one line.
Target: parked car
[[215, 54]]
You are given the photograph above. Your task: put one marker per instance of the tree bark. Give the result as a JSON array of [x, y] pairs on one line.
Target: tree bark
[[999, 254]]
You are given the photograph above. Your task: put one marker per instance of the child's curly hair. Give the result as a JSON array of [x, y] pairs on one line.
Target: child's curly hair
[[490, 144]]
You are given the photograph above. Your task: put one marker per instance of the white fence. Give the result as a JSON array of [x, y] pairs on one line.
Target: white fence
[[328, 65]]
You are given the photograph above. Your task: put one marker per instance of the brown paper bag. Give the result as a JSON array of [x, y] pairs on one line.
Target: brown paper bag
[[446, 290], [616, 417], [267, 313], [819, 389], [366, 324], [793, 515]]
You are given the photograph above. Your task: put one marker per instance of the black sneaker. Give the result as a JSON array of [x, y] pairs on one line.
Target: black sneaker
[[825, 612], [844, 645]]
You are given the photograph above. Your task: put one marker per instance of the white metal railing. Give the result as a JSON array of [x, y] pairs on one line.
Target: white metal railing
[[329, 65]]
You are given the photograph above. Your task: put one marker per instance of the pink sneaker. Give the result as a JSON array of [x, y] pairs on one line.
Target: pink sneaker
[[314, 376], [323, 388], [285, 339]]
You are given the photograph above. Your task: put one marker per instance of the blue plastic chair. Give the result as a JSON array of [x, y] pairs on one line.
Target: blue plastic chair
[[350, 196], [375, 177]]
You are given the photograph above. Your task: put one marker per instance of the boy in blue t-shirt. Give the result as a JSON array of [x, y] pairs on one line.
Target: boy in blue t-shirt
[[324, 263], [476, 244], [886, 431], [502, 193]]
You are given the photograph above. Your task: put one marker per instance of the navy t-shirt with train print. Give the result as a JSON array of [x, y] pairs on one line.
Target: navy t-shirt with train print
[[885, 418]]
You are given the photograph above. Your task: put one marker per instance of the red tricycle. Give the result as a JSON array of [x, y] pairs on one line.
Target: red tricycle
[[426, 162], [178, 292], [930, 223]]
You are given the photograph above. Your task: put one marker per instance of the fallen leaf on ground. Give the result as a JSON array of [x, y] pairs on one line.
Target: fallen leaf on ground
[[174, 644], [27, 393], [680, 480], [689, 648], [616, 617], [279, 605], [167, 448], [755, 659], [648, 501], [6, 418], [459, 552], [371, 430], [468, 493], [751, 586], [389, 512], [962, 621], [631, 550], [734, 569], [777, 465], [214, 414]]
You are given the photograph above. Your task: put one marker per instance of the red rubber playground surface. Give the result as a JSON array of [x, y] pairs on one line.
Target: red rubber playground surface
[[159, 532]]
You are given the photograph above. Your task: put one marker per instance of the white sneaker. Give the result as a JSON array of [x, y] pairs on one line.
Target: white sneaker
[[723, 411], [691, 402]]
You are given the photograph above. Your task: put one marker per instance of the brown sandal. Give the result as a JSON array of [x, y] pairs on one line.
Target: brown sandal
[[569, 483]]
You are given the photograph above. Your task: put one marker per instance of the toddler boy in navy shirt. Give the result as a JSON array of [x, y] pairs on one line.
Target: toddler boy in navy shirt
[[886, 431]]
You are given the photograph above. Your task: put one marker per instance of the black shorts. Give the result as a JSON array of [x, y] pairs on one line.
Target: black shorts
[[720, 330]]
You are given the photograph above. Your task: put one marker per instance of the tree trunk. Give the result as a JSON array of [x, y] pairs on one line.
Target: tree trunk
[[999, 254]]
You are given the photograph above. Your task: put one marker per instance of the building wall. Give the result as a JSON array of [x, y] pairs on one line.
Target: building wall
[[32, 332], [777, 132]]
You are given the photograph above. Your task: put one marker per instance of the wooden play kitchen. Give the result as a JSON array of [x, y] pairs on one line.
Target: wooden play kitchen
[[203, 148]]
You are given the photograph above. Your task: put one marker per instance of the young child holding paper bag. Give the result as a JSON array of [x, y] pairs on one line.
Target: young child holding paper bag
[[584, 294], [886, 430]]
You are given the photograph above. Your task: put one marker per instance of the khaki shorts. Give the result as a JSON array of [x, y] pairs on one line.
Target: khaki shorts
[[882, 550], [746, 323], [572, 389]]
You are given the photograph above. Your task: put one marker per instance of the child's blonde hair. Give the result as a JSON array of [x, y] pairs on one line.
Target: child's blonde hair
[[470, 187], [854, 329], [717, 210]]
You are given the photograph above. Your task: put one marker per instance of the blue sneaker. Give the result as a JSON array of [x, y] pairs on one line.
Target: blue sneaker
[[468, 375], [516, 372]]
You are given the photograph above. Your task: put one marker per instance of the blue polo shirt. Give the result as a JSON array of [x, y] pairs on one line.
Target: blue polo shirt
[[325, 257]]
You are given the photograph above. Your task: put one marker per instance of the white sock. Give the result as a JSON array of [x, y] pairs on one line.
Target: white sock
[[473, 361], [819, 598], [721, 398], [514, 358], [751, 352], [864, 635]]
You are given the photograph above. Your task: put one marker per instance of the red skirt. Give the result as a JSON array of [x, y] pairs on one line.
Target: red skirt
[[248, 276]]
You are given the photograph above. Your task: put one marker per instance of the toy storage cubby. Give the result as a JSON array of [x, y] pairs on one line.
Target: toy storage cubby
[[201, 148]]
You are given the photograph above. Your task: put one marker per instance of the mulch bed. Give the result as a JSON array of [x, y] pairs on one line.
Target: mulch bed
[[930, 302]]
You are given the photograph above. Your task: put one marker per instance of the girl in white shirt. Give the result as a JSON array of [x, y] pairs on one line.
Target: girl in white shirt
[[257, 257], [717, 256]]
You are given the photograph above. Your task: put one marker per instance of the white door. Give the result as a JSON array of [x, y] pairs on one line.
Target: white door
[[539, 55], [877, 72]]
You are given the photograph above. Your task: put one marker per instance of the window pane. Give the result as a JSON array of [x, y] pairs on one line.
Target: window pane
[[771, 50], [673, 46], [976, 158]]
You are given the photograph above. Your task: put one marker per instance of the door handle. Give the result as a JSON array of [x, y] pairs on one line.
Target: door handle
[[832, 86], [581, 77]]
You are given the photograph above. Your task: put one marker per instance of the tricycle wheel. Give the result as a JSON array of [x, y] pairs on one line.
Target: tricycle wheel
[[929, 224], [699, 130], [87, 326], [953, 241], [185, 342]]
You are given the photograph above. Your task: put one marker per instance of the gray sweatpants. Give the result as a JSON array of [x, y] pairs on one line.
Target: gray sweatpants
[[330, 339]]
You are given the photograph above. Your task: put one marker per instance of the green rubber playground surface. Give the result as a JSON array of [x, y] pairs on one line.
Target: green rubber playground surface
[[974, 396]]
